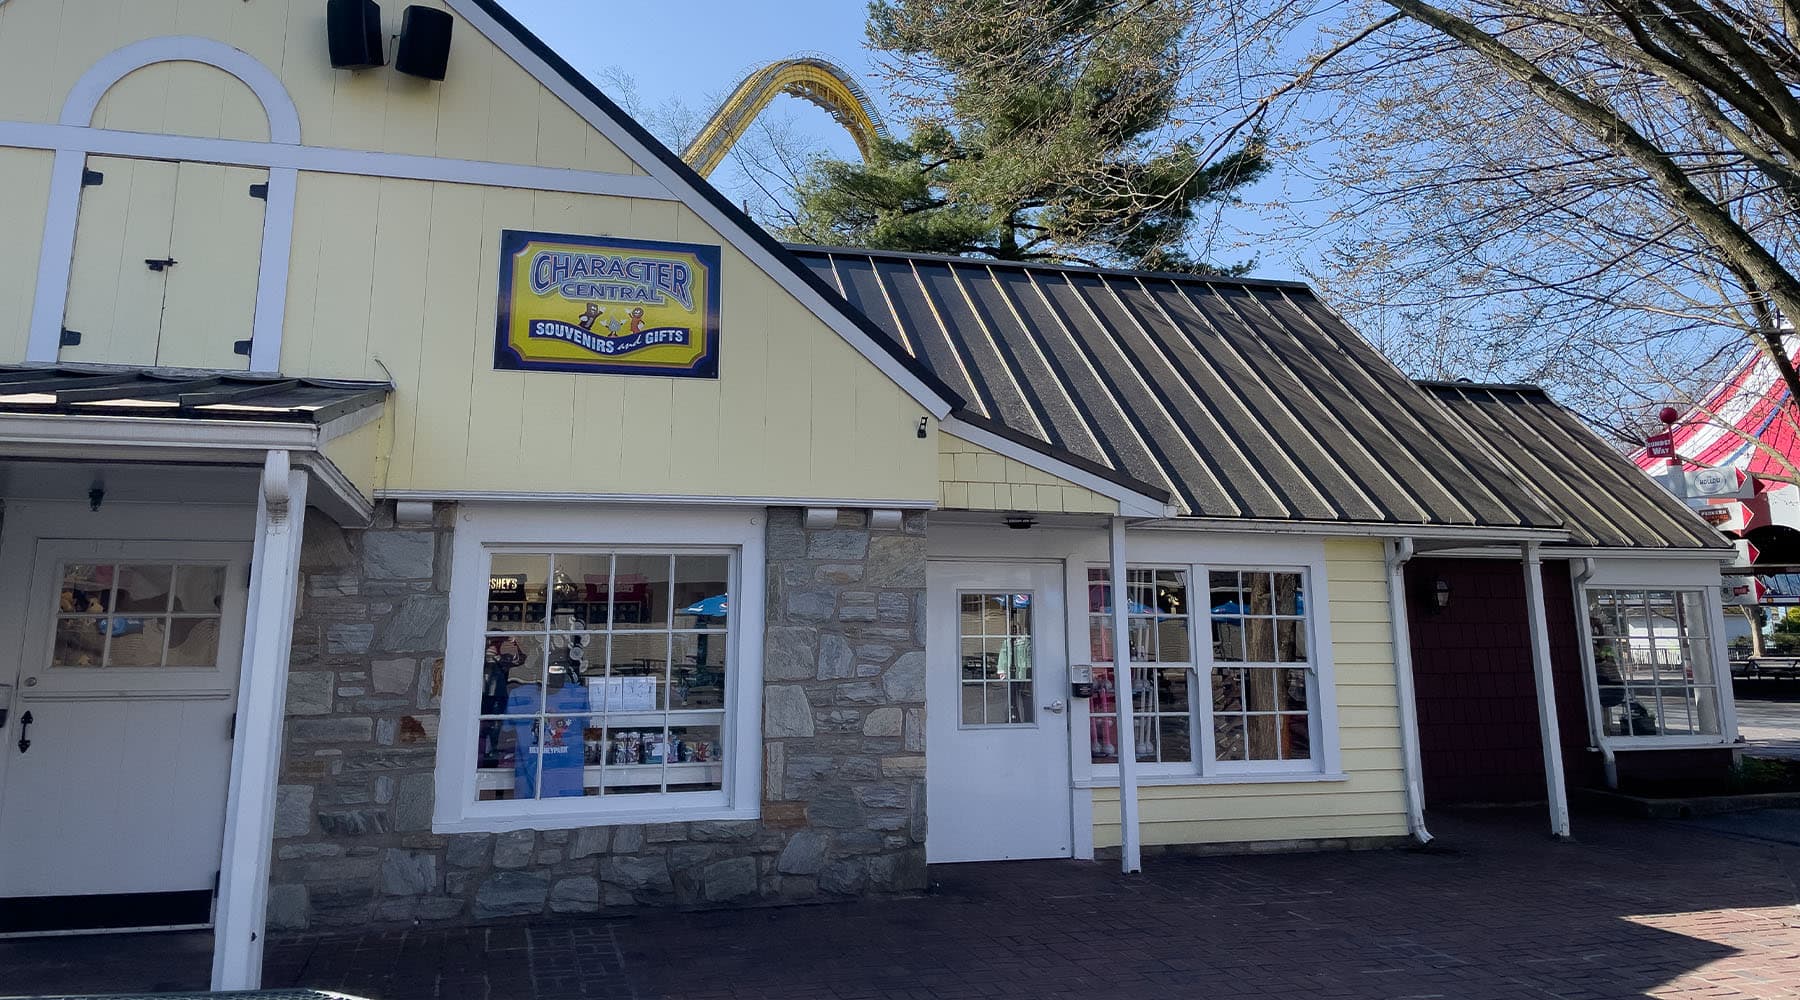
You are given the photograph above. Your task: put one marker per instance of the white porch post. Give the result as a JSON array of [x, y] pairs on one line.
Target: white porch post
[[1546, 692], [262, 707], [1129, 853]]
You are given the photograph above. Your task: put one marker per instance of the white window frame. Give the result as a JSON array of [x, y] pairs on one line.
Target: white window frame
[[1200, 557], [483, 527], [1715, 641]]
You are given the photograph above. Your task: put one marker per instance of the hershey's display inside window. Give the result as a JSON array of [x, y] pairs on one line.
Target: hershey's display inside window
[[604, 673]]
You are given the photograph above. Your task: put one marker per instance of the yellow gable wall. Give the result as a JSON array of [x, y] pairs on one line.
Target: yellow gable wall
[[971, 477], [1371, 803], [486, 109], [400, 279]]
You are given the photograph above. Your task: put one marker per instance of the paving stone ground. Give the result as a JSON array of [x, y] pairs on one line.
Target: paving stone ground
[[1769, 719], [1495, 910]]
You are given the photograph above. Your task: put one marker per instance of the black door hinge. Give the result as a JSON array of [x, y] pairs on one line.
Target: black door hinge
[[259, 191], [70, 338], [231, 727], [160, 264], [92, 178], [241, 347]]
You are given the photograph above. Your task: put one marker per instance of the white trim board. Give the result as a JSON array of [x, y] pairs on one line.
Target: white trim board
[[833, 315], [328, 160], [496, 496]]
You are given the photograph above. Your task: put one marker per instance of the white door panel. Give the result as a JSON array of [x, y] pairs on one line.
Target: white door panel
[[997, 760], [128, 674]]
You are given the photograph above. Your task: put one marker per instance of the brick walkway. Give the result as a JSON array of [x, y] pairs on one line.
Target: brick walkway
[[1634, 909]]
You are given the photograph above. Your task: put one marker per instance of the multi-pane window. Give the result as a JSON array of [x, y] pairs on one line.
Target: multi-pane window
[[1249, 692], [1261, 710], [604, 673], [994, 630], [139, 615], [1653, 662], [1161, 650]]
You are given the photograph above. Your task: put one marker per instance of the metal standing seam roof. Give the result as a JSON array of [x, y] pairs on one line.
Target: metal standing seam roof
[[1603, 498], [1242, 399], [162, 392]]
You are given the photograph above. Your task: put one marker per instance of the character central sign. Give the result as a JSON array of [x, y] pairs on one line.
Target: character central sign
[[607, 306]]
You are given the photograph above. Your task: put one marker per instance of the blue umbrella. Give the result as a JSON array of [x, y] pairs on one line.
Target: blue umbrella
[[710, 607], [1233, 609]]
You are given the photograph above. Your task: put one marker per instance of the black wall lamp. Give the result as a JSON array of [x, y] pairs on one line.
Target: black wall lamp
[[1440, 594], [353, 34]]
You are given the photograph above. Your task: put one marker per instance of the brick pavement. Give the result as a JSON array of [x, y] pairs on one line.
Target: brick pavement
[[1633, 909]]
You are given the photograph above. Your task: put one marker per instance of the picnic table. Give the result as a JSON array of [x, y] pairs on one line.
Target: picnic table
[[1766, 668]]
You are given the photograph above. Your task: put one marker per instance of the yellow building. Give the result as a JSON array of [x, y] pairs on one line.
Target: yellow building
[[426, 499]]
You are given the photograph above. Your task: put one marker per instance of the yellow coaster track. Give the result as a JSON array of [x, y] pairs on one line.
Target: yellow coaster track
[[811, 78]]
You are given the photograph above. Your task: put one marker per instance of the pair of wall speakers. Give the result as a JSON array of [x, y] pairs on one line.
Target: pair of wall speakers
[[353, 28]]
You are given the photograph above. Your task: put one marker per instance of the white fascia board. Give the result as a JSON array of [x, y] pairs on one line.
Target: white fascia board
[[1131, 502], [64, 431], [686, 499], [1558, 553], [329, 160], [1336, 529], [830, 314], [236, 442]]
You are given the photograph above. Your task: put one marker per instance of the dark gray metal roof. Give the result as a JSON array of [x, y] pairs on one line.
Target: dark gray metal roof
[[163, 392], [1603, 499], [1242, 399]]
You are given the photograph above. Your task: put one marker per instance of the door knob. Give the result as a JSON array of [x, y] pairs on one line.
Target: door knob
[[1056, 707]]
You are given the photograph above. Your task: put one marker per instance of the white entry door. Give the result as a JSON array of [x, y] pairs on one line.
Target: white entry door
[[997, 695], [117, 746]]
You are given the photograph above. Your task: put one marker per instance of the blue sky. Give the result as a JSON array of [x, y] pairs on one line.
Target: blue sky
[[696, 51]]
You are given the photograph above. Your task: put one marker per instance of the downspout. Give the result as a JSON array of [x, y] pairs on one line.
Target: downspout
[[1398, 555], [1582, 572]]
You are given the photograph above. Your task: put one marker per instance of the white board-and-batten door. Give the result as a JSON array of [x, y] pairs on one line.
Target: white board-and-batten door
[[166, 261], [128, 672]]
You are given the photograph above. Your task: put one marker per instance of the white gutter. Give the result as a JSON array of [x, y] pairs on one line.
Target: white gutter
[[1399, 553], [1581, 571], [1130, 855]]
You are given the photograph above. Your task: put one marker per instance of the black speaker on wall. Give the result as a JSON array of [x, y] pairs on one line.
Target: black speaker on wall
[[353, 28], [424, 43]]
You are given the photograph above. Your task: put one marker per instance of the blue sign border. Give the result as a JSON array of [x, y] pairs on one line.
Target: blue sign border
[[513, 241]]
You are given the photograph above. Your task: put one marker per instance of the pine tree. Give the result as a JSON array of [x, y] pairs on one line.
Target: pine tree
[[1040, 132]]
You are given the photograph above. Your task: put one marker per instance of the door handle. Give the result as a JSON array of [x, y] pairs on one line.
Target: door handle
[[1056, 707], [24, 727]]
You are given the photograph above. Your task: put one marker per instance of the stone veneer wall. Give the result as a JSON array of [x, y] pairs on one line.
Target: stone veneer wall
[[843, 727]]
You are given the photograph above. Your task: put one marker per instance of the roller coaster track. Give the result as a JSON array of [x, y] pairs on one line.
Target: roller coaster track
[[808, 77]]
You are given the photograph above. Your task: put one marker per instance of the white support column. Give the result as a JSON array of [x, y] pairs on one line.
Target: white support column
[[1546, 692], [262, 707], [1130, 859]]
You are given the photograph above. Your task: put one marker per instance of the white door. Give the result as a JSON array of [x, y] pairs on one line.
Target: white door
[[117, 748], [166, 263], [997, 694]]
